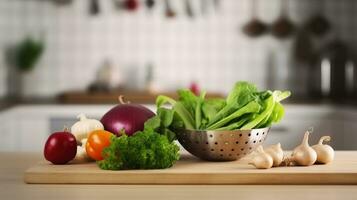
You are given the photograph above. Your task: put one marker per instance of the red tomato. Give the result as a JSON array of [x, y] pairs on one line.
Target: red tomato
[[60, 148]]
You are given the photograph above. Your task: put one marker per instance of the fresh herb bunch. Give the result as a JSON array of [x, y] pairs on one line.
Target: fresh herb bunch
[[152, 148], [244, 108]]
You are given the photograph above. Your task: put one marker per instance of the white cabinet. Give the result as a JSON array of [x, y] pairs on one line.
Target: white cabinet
[[22, 131], [7, 133], [34, 131]]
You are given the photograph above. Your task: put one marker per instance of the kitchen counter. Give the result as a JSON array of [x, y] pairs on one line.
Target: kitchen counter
[[12, 186], [5, 104], [25, 127], [10, 103]]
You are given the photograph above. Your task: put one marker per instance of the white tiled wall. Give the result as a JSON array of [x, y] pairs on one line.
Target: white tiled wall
[[209, 49]]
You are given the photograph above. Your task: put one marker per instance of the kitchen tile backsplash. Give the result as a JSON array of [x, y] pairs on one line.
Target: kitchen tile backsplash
[[209, 49]]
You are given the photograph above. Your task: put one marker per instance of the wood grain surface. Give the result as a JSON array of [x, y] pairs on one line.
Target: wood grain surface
[[12, 186], [190, 170]]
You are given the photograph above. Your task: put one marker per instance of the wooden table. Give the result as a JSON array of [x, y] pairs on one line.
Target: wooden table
[[12, 186]]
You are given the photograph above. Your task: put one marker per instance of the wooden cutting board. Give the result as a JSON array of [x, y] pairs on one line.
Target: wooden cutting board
[[190, 170]]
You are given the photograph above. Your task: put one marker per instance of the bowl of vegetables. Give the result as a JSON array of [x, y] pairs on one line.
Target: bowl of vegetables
[[223, 129]]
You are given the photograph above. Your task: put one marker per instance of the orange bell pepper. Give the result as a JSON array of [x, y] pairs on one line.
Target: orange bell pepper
[[97, 141]]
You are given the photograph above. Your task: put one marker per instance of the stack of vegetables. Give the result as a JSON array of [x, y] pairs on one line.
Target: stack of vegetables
[[130, 136]]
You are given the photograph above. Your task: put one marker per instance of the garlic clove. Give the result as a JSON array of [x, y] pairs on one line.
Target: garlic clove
[[81, 156], [303, 154], [262, 160], [277, 154], [325, 153], [83, 142], [82, 128]]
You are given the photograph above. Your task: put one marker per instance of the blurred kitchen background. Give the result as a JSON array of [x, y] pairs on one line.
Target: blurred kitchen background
[[60, 58]]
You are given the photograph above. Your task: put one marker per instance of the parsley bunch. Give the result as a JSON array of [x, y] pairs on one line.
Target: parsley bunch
[[147, 149]]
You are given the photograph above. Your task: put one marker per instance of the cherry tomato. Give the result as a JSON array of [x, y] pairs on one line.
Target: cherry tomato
[[97, 141]]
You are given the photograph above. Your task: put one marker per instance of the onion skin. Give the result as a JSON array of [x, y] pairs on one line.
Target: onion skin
[[127, 117]]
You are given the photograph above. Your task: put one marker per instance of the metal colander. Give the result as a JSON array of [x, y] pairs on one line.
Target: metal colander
[[221, 145]]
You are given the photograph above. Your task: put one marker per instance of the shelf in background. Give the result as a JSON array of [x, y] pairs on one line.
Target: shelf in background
[[142, 97]]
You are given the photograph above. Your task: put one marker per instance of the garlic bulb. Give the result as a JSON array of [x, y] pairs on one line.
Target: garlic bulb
[[84, 126], [83, 142], [277, 153], [81, 156], [325, 153], [262, 160], [303, 154]]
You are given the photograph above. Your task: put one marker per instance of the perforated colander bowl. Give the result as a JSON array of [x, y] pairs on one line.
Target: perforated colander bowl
[[222, 145]]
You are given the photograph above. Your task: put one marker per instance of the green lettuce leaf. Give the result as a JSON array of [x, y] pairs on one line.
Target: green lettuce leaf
[[242, 94], [210, 107], [244, 108], [251, 107]]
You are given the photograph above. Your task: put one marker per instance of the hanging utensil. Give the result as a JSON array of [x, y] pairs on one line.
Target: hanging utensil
[[150, 4], [204, 6], [62, 2], [118, 4], [131, 5], [318, 25], [94, 8], [303, 48], [169, 12], [189, 9], [254, 27], [283, 27], [217, 4], [338, 53]]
